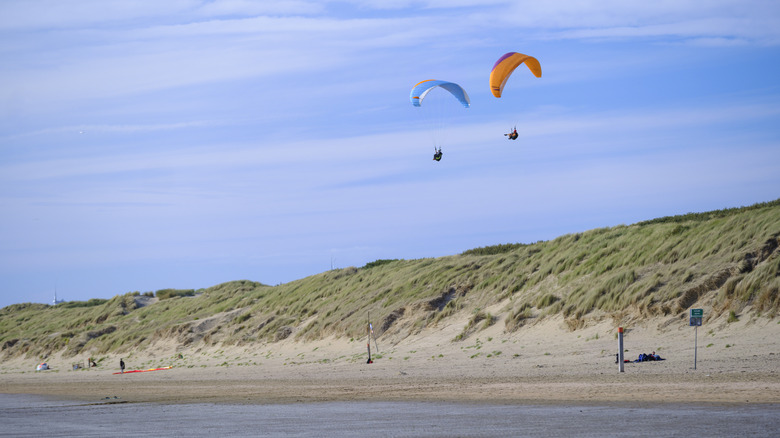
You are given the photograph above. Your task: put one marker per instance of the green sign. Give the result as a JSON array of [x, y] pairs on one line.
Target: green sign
[[696, 317]]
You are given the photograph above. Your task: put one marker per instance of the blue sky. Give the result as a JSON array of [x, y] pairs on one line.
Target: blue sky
[[181, 144]]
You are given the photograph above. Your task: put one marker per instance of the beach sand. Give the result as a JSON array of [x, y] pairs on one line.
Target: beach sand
[[543, 363]]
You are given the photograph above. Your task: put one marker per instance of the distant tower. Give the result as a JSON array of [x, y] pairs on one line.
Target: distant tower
[[56, 301]]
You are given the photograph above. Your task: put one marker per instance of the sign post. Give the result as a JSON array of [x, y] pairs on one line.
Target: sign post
[[620, 350], [696, 317]]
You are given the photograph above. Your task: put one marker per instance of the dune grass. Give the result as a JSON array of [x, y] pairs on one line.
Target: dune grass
[[728, 259]]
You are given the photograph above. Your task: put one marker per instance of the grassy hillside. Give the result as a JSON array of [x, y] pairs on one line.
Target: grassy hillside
[[725, 261]]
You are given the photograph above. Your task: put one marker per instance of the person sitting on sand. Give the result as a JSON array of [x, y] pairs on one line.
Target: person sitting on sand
[[643, 357]]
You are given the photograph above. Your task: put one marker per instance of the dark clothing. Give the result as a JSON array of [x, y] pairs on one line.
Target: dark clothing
[[121, 365]]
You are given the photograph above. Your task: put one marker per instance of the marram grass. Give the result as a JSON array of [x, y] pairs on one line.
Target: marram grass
[[727, 260]]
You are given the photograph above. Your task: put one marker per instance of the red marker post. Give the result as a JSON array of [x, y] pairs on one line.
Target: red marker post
[[620, 346]]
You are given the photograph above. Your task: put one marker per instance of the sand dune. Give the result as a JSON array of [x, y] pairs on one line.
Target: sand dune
[[542, 363]]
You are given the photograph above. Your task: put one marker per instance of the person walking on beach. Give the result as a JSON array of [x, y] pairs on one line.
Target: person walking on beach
[[121, 365]]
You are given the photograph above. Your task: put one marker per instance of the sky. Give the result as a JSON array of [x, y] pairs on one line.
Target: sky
[[147, 145]]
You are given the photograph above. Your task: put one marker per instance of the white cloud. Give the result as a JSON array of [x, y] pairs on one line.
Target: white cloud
[[161, 48], [39, 14], [236, 131], [220, 8], [756, 22], [127, 61], [55, 14]]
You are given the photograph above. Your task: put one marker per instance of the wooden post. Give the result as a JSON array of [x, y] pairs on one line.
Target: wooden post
[[368, 337]]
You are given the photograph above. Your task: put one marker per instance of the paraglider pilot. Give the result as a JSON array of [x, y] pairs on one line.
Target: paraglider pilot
[[512, 135], [437, 154]]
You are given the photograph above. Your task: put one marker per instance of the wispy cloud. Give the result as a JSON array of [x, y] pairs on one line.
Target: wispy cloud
[[749, 22], [204, 141], [53, 14]]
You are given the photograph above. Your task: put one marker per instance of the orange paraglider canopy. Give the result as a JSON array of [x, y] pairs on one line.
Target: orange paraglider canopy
[[507, 64]]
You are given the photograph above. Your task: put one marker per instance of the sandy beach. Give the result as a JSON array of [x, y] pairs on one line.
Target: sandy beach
[[544, 363]]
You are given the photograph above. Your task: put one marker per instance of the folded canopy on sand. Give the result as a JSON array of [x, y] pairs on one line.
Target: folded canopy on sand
[[143, 371]]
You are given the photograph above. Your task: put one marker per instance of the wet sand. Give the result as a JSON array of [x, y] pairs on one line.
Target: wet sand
[[33, 416]]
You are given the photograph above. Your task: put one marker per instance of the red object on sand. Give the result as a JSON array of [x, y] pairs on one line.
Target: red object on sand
[[143, 371]]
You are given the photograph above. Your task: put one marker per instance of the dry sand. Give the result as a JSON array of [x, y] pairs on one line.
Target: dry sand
[[737, 363]]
